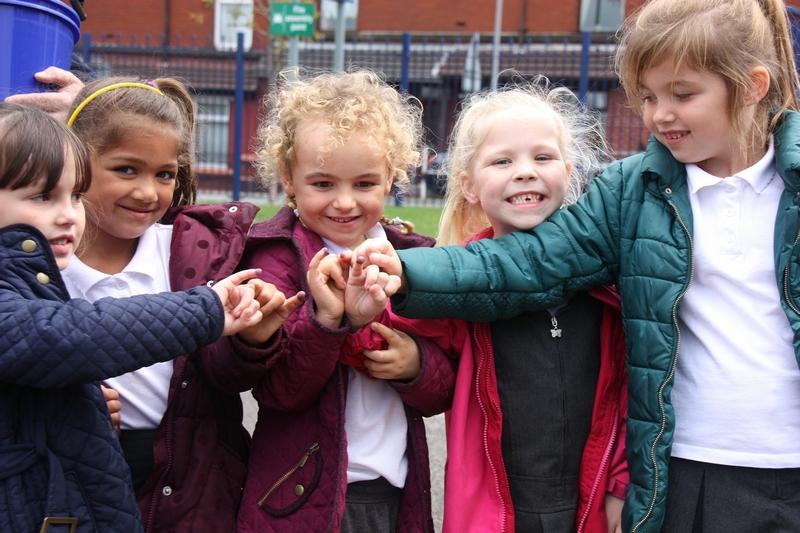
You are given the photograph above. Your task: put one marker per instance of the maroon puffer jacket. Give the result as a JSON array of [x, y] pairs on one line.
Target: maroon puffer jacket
[[297, 475], [201, 447]]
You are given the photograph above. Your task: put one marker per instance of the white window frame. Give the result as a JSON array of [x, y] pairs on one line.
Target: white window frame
[[230, 18], [211, 159], [612, 15]]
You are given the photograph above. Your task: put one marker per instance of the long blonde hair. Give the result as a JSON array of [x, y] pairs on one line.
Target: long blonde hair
[[581, 141], [726, 37]]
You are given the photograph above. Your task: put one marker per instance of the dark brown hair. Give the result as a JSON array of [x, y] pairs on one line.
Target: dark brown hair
[[34, 148]]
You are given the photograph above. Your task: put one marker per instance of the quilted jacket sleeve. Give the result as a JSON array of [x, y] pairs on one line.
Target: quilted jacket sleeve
[[575, 250], [48, 344], [306, 352]]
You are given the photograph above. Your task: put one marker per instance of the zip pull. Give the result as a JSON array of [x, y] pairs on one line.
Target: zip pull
[[556, 331], [300, 464]]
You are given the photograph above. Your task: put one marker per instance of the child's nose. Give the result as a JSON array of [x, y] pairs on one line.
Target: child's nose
[[663, 112], [525, 171], [146, 190], [344, 201], [68, 213]]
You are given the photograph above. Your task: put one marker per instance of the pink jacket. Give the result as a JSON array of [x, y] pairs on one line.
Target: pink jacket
[[477, 494], [297, 474]]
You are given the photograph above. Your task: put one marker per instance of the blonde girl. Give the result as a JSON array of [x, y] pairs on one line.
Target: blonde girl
[[535, 435], [700, 235], [181, 428], [340, 443]]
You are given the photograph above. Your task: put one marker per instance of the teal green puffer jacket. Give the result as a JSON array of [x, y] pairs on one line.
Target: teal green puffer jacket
[[634, 228]]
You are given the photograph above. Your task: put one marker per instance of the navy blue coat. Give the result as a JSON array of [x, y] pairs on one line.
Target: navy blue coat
[[58, 453]]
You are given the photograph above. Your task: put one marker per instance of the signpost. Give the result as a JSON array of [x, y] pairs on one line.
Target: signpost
[[291, 19]]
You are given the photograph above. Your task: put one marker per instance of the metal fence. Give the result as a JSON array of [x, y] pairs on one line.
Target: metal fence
[[230, 87]]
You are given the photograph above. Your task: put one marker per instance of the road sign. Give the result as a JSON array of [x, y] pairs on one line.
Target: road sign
[[291, 19]]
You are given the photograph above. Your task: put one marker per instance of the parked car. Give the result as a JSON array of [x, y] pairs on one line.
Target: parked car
[[434, 183]]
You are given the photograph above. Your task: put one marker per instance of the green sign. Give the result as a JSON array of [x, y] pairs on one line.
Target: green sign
[[291, 19]]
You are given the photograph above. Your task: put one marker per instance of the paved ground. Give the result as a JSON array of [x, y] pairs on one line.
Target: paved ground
[[436, 445]]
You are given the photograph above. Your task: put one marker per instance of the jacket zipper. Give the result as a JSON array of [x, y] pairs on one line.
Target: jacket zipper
[[671, 373], [603, 467], [158, 493], [483, 343], [786, 296], [300, 464]]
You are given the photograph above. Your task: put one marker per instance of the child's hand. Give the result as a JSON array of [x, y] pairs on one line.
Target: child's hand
[[614, 513], [241, 308], [326, 280], [275, 309], [380, 252], [368, 290], [111, 396], [401, 360]]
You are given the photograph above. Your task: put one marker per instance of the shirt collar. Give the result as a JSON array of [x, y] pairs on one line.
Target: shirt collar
[[759, 175], [142, 263], [374, 232]]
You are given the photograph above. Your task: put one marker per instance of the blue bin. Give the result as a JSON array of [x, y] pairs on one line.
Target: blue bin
[[34, 34]]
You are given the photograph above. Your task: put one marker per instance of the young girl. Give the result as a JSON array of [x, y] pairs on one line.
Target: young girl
[[335, 449], [535, 436], [60, 464], [181, 426], [700, 235]]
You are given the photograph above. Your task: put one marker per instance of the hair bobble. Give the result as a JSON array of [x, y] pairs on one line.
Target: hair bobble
[[150, 86]]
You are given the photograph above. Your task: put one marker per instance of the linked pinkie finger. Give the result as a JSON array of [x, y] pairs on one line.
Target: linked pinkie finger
[[371, 275], [273, 304], [392, 285], [291, 304], [244, 296], [243, 275]]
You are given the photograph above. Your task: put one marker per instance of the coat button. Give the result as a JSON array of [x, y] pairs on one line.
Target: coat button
[[233, 209], [668, 190], [42, 278], [184, 384], [299, 490], [166, 490], [29, 245], [209, 283]]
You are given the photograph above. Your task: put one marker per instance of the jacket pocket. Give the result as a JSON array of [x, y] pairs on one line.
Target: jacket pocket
[[295, 486]]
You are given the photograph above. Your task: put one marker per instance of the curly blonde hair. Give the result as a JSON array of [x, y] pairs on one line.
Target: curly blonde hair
[[581, 142], [348, 102]]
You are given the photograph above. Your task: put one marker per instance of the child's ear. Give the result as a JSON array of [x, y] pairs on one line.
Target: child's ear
[[759, 85], [569, 166], [286, 181], [468, 189], [389, 182]]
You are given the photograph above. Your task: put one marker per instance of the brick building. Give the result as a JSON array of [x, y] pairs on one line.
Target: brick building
[[179, 37]]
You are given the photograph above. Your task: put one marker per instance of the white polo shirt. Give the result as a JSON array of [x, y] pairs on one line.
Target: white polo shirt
[[375, 420], [737, 384], [144, 392]]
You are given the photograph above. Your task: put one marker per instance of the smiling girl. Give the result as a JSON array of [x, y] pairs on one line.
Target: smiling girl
[[181, 425], [338, 448]]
